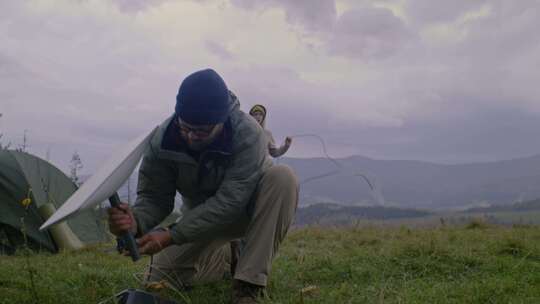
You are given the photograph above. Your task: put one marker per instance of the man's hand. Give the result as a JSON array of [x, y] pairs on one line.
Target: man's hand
[[154, 242], [121, 220]]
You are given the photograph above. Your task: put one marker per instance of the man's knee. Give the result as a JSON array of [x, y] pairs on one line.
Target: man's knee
[[281, 176], [190, 264]]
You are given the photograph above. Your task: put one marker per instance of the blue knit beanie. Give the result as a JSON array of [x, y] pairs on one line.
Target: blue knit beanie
[[203, 99]]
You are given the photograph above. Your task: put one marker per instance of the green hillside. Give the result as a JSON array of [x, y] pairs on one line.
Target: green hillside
[[481, 264]]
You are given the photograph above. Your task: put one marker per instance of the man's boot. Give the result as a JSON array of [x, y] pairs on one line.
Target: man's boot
[[246, 293]]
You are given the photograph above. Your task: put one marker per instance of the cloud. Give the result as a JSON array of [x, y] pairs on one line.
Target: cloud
[[314, 15], [362, 32], [368, 33], [133, 6], [426, 11], [388, 79], [218, 50]]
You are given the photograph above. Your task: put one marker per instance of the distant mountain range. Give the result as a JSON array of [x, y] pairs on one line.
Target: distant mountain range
[[332, 214], [517, 207], [408, 184], [417, 184]]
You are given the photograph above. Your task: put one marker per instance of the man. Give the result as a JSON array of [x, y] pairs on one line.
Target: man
[[216, 157]]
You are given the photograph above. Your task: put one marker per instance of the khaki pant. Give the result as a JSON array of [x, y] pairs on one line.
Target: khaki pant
[[270, 214]]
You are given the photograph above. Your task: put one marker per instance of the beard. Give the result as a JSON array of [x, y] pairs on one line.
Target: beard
[[200, 144]]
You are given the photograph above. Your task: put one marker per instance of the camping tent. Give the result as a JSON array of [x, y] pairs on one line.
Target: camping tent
[[26, 176]]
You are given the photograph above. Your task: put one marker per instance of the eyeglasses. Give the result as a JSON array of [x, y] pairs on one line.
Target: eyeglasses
[[204, 131]]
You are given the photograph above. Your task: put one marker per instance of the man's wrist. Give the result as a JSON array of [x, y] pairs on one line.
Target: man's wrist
[[169, 237], [177, 237]]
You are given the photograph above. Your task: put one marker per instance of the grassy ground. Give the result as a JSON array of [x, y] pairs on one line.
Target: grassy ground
[[347, 265]]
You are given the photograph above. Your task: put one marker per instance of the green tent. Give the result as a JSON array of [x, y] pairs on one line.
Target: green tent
[[26, 176]]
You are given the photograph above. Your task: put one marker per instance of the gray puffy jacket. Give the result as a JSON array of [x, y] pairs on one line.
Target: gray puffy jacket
[[216, 188]]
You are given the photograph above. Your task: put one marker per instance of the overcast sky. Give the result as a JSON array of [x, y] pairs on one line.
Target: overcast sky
[[444, 81]]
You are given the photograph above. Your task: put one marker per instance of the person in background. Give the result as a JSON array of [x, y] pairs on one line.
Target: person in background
[[259, 113]]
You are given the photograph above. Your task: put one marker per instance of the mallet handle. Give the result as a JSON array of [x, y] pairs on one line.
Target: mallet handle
[[127, 240]]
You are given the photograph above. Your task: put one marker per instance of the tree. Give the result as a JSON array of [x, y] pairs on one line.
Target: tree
[[3, 146], [75, 165], [24, 146]]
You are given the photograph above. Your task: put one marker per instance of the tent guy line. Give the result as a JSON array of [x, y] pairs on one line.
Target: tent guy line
[[377, 194]]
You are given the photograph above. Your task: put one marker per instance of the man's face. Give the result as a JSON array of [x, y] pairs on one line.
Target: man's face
[[198, 137]]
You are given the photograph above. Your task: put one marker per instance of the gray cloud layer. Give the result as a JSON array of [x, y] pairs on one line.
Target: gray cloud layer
[[436, 80], [368, 33], [314, 15], [472, 90]]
